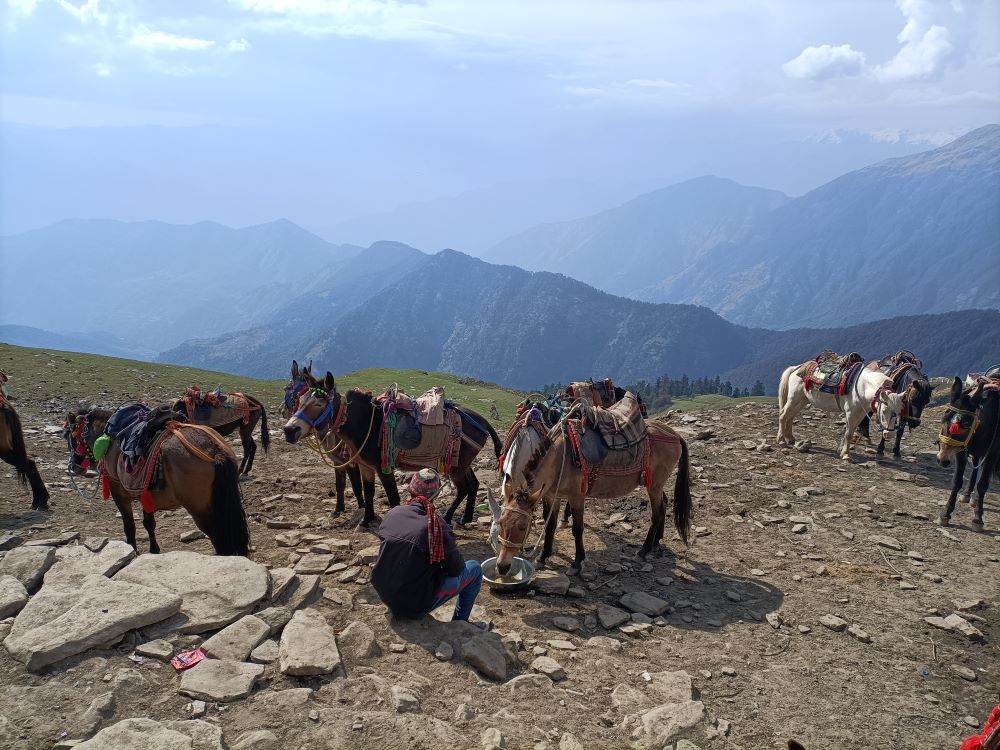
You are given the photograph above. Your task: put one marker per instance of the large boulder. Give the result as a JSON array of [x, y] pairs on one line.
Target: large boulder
[[67, 618], [146, 734], [214, 591], [221, 680], [27, 564], [308, 646], [77, 562]]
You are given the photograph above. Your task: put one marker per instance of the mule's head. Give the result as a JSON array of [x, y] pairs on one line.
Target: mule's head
[[888, 407], [512, 523], [300, 380], [520, 448], [315, 412], [917, 395], [959, 421]]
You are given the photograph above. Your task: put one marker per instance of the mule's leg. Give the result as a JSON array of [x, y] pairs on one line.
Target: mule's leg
[[853, 419], [339, 486], [577, 509], [367, 496], [550, 519], [972, 483], [389, 485], [471, 495], [249, 450], [39, 492], [899, 441], [565, 515], [149, 523], [657, 519], [245, 441], [984, 484], [460, 481], [880, 450], [128, 522], [797, 401], [960, 460], [360, 489]]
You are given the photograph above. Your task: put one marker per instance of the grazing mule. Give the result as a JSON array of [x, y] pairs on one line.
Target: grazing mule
[[916, 390], [970, 427], [362, 483], [538, 466], [227, 419], [13, 451], [871, 393], [198, 472], [351, 419]]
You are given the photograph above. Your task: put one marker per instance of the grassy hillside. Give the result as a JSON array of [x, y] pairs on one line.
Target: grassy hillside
[[714, 401], [40, 374]]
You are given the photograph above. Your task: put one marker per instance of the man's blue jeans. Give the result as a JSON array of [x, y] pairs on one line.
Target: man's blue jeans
[[465, 586]]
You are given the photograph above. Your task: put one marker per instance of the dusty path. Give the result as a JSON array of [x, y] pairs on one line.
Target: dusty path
[[746, 602]]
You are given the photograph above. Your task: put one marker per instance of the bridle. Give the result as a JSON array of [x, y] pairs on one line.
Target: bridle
[[315, 444], [947, 439], [294, 391]]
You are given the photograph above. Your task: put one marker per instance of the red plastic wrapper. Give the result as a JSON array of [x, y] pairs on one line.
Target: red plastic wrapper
[[187, 659]]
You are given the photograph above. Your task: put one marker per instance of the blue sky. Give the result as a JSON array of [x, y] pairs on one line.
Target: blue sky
[[326, 110]]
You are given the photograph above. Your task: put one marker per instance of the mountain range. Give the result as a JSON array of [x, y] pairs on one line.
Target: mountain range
[[899, 237], [913, 235], [456, 313]]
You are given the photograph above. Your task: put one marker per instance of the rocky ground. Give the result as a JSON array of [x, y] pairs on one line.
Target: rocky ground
[[819, 601]]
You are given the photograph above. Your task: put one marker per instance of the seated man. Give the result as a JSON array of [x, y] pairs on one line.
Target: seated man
[[419, 567]]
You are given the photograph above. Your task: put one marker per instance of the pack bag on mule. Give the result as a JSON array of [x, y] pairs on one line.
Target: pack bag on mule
[[597, 392], [895, 365], [832, 373], [408, 442], [611, 441], [216, 408]]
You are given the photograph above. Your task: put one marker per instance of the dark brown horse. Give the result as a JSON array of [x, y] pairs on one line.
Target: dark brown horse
[[197, 471], [237, 412], [351, 419], [13, 451], [362, 483]]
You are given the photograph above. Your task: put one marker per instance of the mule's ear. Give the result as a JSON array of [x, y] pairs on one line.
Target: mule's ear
[[295, 369], [329, 382], [495, 508], [956, 389]]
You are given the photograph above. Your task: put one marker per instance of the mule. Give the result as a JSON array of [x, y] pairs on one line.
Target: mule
[[362, 483], [226, 419], [871, 393], [970, 427], [351, 419], [548, 474], [908, 379], [14, 452], [198, 472]]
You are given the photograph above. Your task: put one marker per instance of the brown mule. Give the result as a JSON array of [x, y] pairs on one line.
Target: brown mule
[[551, 475], [13, 451], [199, 474], [362, 479], [227, 419]]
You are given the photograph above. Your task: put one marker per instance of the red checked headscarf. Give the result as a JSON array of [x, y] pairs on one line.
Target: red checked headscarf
[[424, 486]]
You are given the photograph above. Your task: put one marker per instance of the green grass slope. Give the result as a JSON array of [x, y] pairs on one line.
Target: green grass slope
[[40, 374]]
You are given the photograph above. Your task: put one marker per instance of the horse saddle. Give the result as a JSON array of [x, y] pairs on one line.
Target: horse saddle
[[621, 426], [597, 392], [430, 406], [135, 427]]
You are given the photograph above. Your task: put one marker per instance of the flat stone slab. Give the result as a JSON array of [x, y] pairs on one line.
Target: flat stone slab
[[65, 619], [13, 596], [28, 564], [358, 643], [281, 579], [837, 624], [214, 591], [146, 734], [265, 653], [640, 601], [486, 652], [222, 680], [77, 562], [549, 667], [56, 541], [886, 541], [313, 564], [611, 617], [659, 726], [159, 649], [551, 582], [301, 591], [236, 641], [308, 646]]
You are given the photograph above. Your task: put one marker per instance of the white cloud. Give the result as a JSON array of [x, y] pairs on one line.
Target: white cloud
[[652, 83], [103, 70], [825, 61], [926, 46], [238, 45], [87, 12], [22, 7], [146, 38]]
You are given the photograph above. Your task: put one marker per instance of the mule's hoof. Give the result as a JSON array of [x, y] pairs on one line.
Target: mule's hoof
[[365, 525], [970, 499], [575, 568], [897, 454], [659, 551], [944, 520], [44, 507], [977, 524]]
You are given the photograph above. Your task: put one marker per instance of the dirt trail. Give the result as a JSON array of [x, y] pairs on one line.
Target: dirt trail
[[770, 559]]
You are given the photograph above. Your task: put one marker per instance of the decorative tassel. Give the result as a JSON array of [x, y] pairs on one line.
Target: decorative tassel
[[147, 501], [105, 486]]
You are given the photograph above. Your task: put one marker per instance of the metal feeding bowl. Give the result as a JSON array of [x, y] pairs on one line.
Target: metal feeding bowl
[[520, 575]]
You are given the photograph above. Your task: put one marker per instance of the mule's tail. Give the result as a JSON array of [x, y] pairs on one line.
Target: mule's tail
[[682, 494], [497, 442], [783, 386], [265, 435], [17, 446], [229, 533]]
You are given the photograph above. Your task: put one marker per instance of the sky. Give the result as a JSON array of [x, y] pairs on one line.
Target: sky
[[333, 112]]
